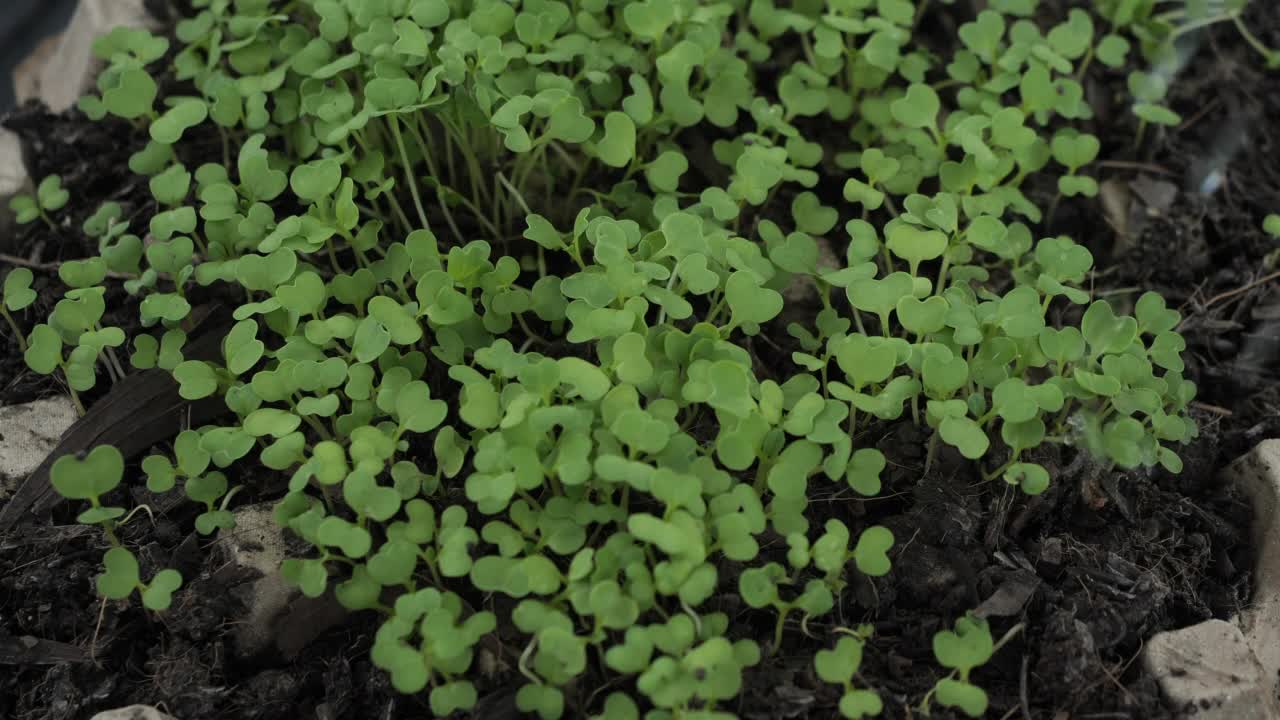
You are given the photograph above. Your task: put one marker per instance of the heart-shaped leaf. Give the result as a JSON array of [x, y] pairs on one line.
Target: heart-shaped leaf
[[1153, 315], [958, 694], [965, 435], [923, 317], [317, 179], [416, 410], [132, 94], [305, 295], [812, 216], [120, 577], [861, 703], [838, 665], [749, 301], [186, 114], [918, 108], [51, 194], [44, 349], [159, 592], [863, 474], [1032, 478], [618, 146], [866, 360], [965, 648], [870, 553], [89, 477], [196, 379], [914, 244], [664, 171], [1105, 332], [880, 296], [17, 289], [568, 121]]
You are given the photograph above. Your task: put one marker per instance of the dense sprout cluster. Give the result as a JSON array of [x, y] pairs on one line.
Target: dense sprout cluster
[[495, 266]]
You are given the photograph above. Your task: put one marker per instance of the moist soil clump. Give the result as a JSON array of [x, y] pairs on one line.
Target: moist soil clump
[[1079, 576]]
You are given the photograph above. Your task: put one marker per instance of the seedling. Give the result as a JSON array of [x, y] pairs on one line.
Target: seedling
[[50, 197], [966, 647], [839, 665], [89, 479], [17, 296]]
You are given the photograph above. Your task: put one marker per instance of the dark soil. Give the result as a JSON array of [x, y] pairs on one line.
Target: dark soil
[[1083, 574]]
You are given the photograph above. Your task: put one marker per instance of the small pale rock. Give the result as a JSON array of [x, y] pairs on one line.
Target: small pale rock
[[13, 171], [1157, 195], [28, 433], [303, 620], [1258, 475], [1051, 556], [1208, 672], [258, 543], [133, 712], [64, 69], [13, 180], [27, 74], [1012, 595], [1114, 195]]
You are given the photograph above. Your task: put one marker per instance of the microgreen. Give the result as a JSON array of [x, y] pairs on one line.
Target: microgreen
[[50, 197], [839, 665], [967, 646], [17, 296], [90, 478]]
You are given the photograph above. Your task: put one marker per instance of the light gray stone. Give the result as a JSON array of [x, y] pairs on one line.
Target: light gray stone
[[28, 433], [13, 171], [1209, 672], [27, 74], [1012, 595], [63, 69], [58, 72], [1231, 670], [1258, 475], [133, 712], [280, 618], [13, 180], [258, 543]]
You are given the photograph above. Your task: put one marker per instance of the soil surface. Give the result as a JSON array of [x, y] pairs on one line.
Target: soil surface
[[1080, 576]]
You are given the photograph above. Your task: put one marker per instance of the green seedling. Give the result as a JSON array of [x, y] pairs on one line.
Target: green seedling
[[90, 478], [50, 197], [839, 665], [17, 296], [966, 647]]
